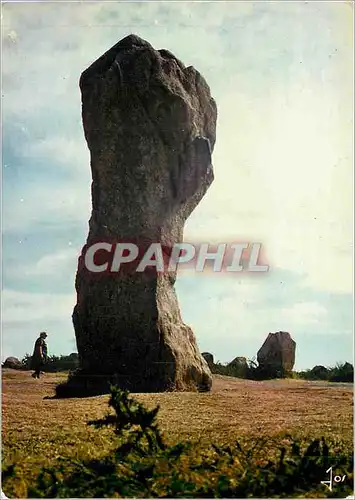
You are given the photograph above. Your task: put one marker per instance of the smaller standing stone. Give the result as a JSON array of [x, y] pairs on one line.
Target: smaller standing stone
[[238, 361], [238, 366], [276, 357]]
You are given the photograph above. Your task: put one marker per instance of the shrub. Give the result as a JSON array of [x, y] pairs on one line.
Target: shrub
[[318, 372], [61, 363], [251, 371], [342, 372], [142, 465], [26, 361], [54, 363]]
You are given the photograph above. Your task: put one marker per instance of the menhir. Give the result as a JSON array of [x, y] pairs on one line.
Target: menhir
[[149, 123]]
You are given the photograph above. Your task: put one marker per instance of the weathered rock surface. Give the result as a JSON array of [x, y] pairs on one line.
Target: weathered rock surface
[[12, 362], [149, 123], [277, 354], [208, 357]]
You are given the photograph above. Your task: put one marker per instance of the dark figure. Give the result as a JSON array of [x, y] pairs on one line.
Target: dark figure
[[39, 356]]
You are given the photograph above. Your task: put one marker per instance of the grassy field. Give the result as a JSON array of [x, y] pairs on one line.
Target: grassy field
[[37, 431]]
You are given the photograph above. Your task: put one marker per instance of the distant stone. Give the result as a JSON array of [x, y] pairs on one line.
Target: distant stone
[[238, 367], [238, 361], [208, 357], [276, 357], [12, 362], [319, 372]]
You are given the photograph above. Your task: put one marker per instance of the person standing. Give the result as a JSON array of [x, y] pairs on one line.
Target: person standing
[[39, 356]]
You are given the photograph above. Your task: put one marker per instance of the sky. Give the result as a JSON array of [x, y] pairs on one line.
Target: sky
[[281, 74]]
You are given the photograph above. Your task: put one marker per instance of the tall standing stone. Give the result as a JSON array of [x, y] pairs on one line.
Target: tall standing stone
[[150, 124]]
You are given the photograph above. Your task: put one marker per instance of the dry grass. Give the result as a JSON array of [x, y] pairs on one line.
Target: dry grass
[[41, 429]]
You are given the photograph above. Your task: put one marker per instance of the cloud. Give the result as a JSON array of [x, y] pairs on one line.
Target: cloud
[[253, 307], [59, 263], [66, 152], [53, 206], [27, 307], [285, 180], [304, 314]]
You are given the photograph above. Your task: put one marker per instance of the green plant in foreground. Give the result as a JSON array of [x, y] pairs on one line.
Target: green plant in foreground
[[143, 465]]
